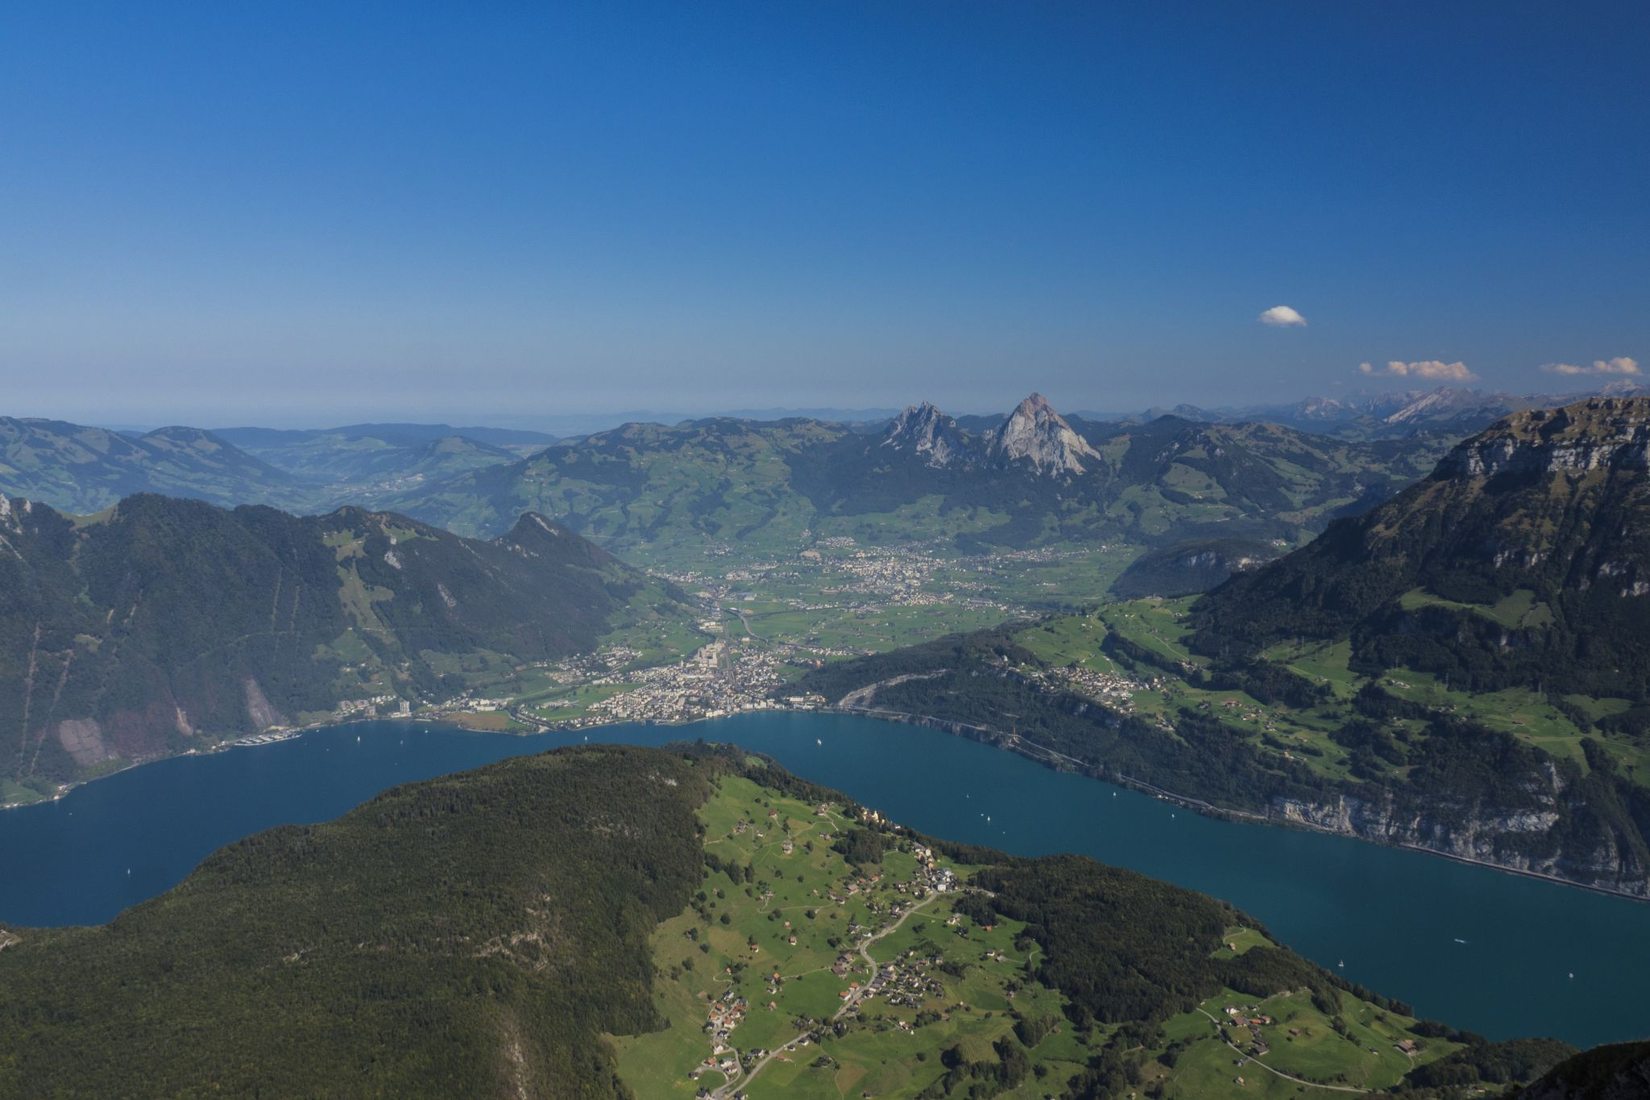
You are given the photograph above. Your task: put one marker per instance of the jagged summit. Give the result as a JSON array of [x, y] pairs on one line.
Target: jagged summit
[[1523, 561], [1446, 400], [924, 430], [1599, 433], [1035, 432]]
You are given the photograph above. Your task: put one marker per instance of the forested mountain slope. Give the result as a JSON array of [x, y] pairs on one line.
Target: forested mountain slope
[[1524, 560], [164, 624]]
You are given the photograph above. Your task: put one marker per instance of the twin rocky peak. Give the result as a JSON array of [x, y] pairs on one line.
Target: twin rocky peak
[[1033, 433]]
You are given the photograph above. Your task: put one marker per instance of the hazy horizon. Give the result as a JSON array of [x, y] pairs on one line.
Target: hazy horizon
[[309, 215], [582, 422]]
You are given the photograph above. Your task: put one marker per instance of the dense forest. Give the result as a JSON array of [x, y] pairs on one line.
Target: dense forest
[[465, 936], [165, 623]]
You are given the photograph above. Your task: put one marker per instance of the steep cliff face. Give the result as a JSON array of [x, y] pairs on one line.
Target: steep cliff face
[[1035, 433], [1516, 840], [924, 430], [1603, 433], [1191, 567]]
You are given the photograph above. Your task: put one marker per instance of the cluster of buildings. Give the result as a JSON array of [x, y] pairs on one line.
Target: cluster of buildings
[[724, 1015], [931, 877], [908, 983], [373, 705], [1244, 1027], [583, 667], [719, 679], [1114, 690]]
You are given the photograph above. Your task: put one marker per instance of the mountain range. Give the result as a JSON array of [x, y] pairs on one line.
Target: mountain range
[[663, 494], [161, 625], [1451, 410], [1522, 561], [666, 495], [82, 469]]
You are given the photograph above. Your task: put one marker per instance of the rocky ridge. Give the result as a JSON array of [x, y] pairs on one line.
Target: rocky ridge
[[1033, 433], [926, 431], [1600, 433]]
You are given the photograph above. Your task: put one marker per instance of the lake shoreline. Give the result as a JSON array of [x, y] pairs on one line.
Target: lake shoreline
[[1059, 761], [997, 739], [1464, 956], [284, 734]]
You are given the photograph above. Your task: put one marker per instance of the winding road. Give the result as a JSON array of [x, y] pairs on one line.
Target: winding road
[[744, 1080]]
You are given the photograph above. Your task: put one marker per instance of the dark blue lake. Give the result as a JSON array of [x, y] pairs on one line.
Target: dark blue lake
[[1498, 954]]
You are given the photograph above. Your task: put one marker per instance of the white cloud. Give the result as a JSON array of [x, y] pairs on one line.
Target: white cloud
[[1619, 365], [1282, 317], [1432, 370]]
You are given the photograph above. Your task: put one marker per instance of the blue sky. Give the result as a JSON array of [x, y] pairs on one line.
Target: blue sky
[[297, 214]]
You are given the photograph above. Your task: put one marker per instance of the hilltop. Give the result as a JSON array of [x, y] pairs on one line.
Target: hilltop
[[81, 469], [604, 922]]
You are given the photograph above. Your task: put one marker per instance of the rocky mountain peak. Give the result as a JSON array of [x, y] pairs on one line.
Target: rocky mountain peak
[[12, 511], [924, 430], [1598, 433], [1035, 432]]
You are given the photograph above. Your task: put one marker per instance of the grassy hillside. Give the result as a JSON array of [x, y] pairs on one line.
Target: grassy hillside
[[725, 926], [81, 469], [363, 463], [1511, 778], [990, 977]]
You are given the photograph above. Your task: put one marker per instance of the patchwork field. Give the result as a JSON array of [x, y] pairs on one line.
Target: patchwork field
[[1166, 680], [827, 956]]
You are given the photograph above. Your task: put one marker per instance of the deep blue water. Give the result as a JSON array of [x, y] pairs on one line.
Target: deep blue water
[[1396, 919]]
